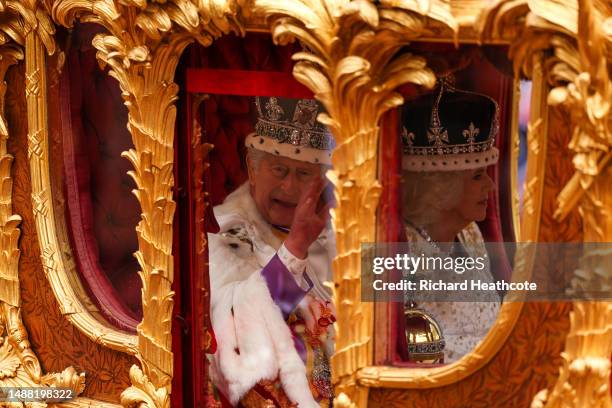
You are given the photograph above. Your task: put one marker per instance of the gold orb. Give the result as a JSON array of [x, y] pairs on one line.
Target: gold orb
[[423, 336]]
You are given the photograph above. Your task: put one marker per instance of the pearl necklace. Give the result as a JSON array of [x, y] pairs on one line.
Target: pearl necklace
[[423, 233]]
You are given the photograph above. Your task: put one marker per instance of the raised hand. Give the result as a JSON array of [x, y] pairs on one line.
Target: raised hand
[[311, 217]]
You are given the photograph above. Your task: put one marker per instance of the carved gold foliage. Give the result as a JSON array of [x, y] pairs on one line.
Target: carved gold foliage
[[15, 19], [572, 38], [151, 122], [9, 222], [19, 366], [69, 378], [143, 392], [14, 374], [588, 96], [22, 17], [356, 82], [343, 401], [138, 24], [142, 46], [584, 376], [433, 18], [81, 402], [9, 362], [527, 356], [502, 20]]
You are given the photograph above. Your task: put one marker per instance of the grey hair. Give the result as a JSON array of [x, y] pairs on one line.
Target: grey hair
[[255, 156], [426, 194]]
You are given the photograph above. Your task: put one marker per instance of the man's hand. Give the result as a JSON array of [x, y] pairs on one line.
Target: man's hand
[[317, 314], [308, 220]]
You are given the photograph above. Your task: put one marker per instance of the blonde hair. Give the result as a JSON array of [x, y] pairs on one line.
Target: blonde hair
[[426, 194]]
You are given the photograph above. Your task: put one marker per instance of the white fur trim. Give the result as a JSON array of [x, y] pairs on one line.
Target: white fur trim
[[450, 162], [243, 314], [301, 153], [245, 318]]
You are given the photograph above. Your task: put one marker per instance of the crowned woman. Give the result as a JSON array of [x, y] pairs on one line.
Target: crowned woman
[[270, 310], [448, 143]]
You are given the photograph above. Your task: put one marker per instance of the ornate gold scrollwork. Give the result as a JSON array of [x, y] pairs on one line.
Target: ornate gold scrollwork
[[19, 366], [18, 363], [356, 83], [81, 402], [348, 78], [573, 40], [141, 49], [350, 63], [55, 249]]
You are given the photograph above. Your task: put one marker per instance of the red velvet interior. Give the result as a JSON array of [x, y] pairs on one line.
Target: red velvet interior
[[103, 212], [228, 119]]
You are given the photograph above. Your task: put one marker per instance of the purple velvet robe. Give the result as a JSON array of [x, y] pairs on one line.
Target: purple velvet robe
[[286, 293]]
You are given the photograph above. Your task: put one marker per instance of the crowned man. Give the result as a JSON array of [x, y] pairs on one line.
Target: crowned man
[[271, 312]]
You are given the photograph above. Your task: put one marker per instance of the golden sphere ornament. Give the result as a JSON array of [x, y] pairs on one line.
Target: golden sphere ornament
[[423, 336]]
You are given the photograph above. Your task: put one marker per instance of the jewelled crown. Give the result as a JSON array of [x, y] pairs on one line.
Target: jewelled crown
[[289, 127], [449, 129]]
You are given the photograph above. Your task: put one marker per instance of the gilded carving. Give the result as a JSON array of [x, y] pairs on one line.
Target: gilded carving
[[18, 363], [143, 392], [350, 62], [19, 366], [141, 49], [573, 43], [585, 371], [527, 358], [576, 66], [81, 402], [356, 83]]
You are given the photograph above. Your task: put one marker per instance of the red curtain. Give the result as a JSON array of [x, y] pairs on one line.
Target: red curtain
[[102, 211], [228, 119]]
